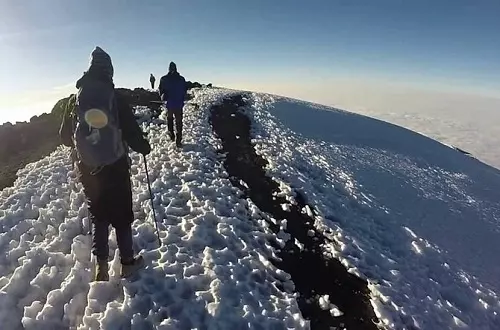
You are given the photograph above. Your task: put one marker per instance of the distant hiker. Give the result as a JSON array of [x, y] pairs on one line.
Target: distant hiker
[[152, 80], [100, 125], [173, 90]]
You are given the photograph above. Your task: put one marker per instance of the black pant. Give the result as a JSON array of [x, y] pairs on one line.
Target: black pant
[[178, 123], [109, 198], [100, 241], [152, 84]]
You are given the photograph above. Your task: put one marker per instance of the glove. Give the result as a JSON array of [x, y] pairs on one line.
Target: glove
[[145, 148]]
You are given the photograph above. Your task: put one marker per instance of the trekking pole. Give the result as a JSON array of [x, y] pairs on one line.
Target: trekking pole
[[151, 198]]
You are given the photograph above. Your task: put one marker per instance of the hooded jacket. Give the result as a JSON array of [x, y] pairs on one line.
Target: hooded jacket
[[173, 89], [131, 132]]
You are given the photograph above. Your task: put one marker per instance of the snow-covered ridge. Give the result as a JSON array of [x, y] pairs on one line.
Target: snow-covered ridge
[[418, 220]]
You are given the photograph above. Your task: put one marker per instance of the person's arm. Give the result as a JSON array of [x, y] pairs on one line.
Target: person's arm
[[184, 87], [161, 86], [132, 133], [67, 124], [165, 82]]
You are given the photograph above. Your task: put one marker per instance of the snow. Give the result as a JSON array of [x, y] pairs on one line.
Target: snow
[[417, 219], [335, 311], [324, 302], [211, 271]]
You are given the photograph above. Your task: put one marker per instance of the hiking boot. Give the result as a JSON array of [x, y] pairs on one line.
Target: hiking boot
[[178, 144], [102, 269], [172, 136], [129, 269]]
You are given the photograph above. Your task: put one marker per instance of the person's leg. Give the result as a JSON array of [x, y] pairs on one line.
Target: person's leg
[[178, 124], [100, 225], [130, 264], [97, 213], [100, 234], [123, 216], [124, 240], [170, 123], [100, 248]]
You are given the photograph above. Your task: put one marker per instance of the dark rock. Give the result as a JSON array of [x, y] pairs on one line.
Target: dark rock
[[191, 85]]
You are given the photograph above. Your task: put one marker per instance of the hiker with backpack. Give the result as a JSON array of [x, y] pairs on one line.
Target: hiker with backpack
[[152, 80], [100, 126], [172, 91]]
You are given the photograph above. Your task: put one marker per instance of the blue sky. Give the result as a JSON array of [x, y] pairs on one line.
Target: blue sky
[[306, 49]]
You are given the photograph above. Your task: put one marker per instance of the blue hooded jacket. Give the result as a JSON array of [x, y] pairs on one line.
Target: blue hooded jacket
[[173, 89]]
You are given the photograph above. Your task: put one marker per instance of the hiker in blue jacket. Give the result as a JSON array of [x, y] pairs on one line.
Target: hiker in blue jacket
[[172, 91]]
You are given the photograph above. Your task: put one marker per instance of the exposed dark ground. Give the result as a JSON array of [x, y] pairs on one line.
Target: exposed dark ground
[[313, 274]]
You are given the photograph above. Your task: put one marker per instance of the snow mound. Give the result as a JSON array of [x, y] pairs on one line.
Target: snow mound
[[419, 220]]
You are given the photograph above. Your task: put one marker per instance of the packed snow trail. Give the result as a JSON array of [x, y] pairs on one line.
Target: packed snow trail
[[315, 276], [211, 272]]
